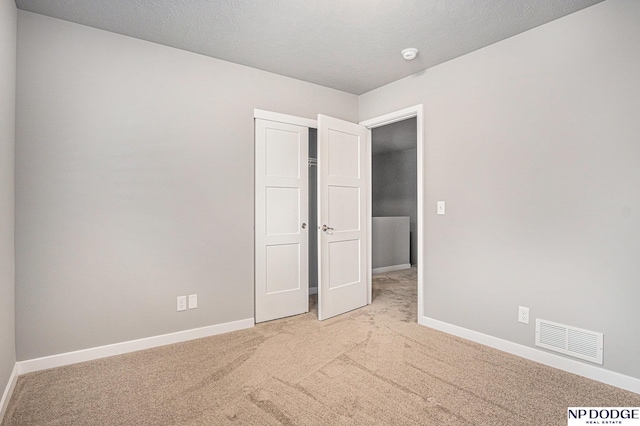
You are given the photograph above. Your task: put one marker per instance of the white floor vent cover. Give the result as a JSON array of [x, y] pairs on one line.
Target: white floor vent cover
[[576, 342]]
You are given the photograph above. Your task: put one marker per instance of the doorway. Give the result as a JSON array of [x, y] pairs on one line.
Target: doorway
[[416, 112], [394, 196]]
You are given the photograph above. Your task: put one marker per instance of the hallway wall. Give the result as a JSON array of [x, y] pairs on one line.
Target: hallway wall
[[394, 189]]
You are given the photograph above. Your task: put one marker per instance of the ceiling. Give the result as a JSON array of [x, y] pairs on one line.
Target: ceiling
[[349, 45]]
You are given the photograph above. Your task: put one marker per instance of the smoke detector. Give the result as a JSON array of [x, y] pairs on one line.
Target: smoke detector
[[409, 54]]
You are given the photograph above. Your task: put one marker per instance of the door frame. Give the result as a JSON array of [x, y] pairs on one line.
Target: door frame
[[393, 117], [284, 118], [312, 123], [390, 118]]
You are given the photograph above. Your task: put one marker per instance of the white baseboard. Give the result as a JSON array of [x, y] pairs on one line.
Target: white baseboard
[[313, 290], [8, 391], [391, 268], [60, 360], [576, 367]]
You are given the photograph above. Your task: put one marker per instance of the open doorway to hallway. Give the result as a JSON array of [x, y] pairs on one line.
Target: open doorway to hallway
[[394, 208], [417, 112], [394, 196]]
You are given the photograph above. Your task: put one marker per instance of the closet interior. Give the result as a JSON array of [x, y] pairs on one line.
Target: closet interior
[[313, 211]]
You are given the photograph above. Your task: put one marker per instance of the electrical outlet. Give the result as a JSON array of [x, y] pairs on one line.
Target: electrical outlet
[[182, 303], [523, 314], [193, 301]]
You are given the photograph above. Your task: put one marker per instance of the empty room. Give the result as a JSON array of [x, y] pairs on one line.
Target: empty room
[[191, 196]]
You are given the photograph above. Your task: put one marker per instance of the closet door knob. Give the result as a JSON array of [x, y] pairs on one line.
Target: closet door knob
[[304, 226], [325, 228]]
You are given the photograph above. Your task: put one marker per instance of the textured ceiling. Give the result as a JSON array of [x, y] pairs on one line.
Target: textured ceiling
[[350, 45]]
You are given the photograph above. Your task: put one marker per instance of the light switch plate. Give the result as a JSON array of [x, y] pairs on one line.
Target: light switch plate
[[193, 301], [440, 207]]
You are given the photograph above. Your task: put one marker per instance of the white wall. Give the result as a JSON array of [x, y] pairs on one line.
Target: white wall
[[134, 183], [534, 143], [8, 22]]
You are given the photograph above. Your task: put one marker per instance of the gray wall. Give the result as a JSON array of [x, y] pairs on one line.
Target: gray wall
[[395, 188], [8, 22], [134, 184], [389, 241], [534, 143]]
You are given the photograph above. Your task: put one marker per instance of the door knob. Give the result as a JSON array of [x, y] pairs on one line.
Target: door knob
[[325, 228], [304, 226]]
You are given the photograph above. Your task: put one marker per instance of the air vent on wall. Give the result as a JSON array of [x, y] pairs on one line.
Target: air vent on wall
[[576, 342]]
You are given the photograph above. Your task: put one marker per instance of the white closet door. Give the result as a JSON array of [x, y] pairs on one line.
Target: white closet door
[[281, 231], [342, 189]]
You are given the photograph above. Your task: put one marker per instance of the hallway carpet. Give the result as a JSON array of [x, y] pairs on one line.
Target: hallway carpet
[[372, 366]]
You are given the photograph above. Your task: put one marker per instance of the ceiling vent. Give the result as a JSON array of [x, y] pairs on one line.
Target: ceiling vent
[[572, 341]]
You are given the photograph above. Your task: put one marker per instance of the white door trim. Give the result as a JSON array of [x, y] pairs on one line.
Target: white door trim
[[418, 112], [285, 118]]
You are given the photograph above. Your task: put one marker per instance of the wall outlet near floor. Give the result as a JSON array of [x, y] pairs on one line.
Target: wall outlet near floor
[[182, 303], [193, 301], [523, 314]]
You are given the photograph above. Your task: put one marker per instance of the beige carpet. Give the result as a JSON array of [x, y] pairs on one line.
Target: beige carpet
[[373, 366]]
